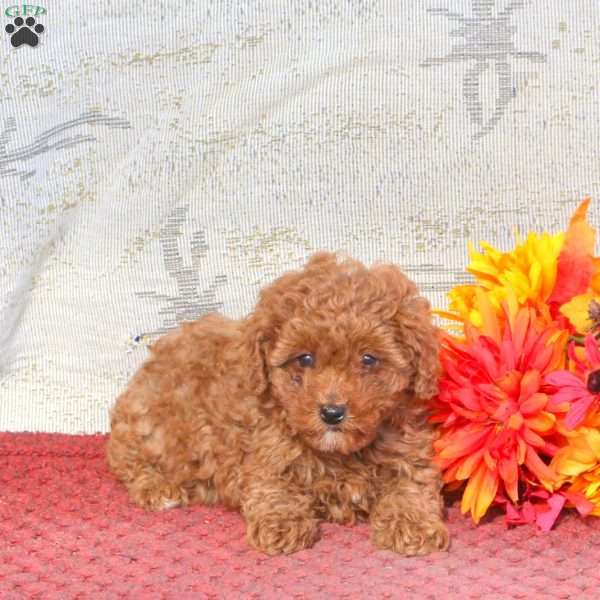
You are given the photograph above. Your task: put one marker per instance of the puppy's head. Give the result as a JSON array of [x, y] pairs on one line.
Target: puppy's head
[[344, 349]]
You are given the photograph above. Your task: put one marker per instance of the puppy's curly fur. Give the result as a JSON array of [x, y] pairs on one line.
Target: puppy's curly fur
[[231, 411]]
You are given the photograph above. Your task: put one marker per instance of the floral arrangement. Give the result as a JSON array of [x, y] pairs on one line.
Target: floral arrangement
[[519, 402]]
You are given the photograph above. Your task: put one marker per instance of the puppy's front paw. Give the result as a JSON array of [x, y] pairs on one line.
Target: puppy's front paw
[[156, 495], [410, 538], [281, 534]]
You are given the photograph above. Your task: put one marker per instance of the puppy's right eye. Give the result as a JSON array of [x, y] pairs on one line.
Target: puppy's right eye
[[306, 360], [368, 360]]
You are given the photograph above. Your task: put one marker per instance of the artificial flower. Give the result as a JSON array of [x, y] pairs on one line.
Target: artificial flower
[[578, 273], [588, 485], [578, 463], [529, 271], [519, 406], [556, 274], [578, 390], [577, 311], [575, 267], [496, 423]]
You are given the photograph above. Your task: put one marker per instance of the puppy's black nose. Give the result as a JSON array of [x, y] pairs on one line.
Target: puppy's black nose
[[333, 414]]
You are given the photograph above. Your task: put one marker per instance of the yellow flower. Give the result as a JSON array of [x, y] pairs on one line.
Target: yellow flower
[[545, 272], [529, 271], [462, 304], [588, 484], [577, 311], [578, 462]]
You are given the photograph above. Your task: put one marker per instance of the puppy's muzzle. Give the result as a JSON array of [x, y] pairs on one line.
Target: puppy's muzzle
[[333, 414]]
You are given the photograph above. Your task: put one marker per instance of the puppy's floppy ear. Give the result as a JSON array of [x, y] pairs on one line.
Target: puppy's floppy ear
[[416, 333], [425, 338], [255, 337], [276, 304]]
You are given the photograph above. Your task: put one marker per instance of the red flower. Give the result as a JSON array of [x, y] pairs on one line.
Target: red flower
[[497, 424]]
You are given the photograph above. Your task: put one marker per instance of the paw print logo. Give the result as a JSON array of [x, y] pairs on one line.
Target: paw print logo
[[24, 32]]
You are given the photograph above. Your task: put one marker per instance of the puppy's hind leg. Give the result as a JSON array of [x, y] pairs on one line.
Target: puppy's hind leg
[[134, 459]]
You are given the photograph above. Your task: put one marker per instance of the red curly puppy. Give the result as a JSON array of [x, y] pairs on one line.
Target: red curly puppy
[[310, 409]]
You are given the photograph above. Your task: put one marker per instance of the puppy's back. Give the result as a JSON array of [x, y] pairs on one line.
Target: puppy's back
[[199, 346], [170, 390]]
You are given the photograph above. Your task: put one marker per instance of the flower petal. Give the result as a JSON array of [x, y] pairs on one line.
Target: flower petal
[[592, 350], [530, 383], [578, 411], [509, 473], [545, 520], [533, 404], [538, 467], [542, 422], [468, 398], [461, 443], [532, 438], [489, 324], [469, 464], [577, 311], [564, 378], [575, 264], [567, 394], [580, 502], [487, 493], [480, 492]]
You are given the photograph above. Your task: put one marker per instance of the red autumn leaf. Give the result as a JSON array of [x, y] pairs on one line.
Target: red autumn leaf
[[575, 262]]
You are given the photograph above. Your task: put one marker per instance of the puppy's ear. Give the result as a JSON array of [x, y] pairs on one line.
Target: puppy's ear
[[426, 340], [415, 331], [276, 305], [254, 340]]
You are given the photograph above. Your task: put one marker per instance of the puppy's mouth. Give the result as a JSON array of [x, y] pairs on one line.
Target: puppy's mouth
[[332, 439], [336, 439]]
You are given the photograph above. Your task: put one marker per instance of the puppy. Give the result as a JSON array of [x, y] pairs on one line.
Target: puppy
[[312, 408]]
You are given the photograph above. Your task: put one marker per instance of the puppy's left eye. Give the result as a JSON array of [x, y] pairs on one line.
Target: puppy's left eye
[[306, 360], [368, 360]]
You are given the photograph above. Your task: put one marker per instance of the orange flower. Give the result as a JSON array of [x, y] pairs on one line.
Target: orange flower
[[496, 424]]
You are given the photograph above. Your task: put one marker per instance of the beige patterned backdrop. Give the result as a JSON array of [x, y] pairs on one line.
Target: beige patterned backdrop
[[162, 160]]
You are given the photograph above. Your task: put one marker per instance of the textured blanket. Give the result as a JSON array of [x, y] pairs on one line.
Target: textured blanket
[[68, 531]]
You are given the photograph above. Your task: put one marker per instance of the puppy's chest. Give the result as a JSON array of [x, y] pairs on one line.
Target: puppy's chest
[[343, 491]]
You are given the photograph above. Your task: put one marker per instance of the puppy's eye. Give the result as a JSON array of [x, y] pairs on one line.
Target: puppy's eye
[[368, 360], [306, 360]]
